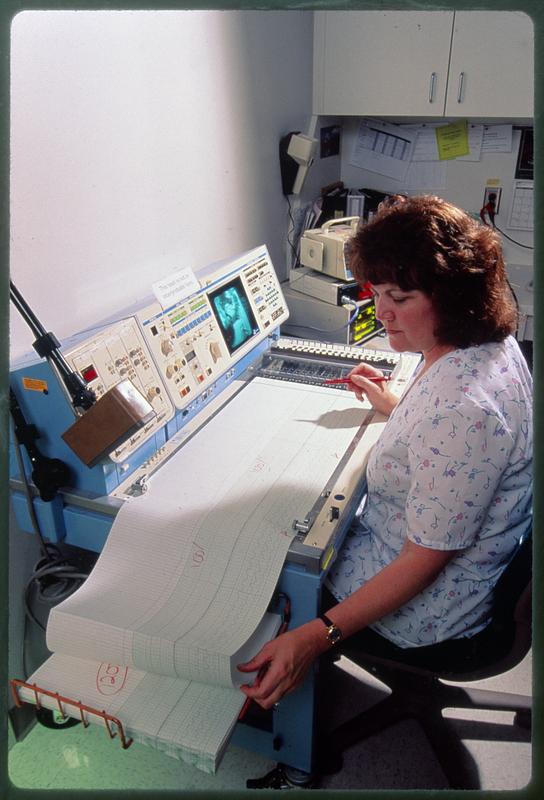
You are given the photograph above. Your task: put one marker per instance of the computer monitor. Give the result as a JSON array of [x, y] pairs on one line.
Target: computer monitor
[[234, 314]]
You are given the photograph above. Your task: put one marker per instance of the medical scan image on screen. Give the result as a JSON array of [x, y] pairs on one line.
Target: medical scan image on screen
[[234, 314]]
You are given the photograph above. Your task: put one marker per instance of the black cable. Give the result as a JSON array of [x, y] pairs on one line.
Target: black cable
[[526, 246], [44, 546], [48, 474], [291, 244], [492, 215], [516, 301], [51, 582], [514, 295], [53, 578], [489, 209]]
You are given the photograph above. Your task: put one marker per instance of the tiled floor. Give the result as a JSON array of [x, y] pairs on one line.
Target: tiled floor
[[399, 758]]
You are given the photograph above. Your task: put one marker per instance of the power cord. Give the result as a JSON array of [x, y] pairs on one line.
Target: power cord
[[293, 226], [519, 244], [53, 578], [489, 210]]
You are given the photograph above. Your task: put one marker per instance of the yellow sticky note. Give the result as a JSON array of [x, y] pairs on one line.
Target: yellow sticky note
[[452, 140]]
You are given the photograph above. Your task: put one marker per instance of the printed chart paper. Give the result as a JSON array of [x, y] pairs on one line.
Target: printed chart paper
[[179, 594]]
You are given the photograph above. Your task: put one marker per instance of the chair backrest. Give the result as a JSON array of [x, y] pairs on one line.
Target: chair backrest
[[511, 587], [512, 607], [496, 649]]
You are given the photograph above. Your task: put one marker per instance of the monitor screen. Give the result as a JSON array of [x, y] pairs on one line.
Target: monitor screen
[[233, 313]]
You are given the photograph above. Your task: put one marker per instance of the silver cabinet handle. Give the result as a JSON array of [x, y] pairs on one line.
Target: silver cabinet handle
[[460, 90], [432, 84]]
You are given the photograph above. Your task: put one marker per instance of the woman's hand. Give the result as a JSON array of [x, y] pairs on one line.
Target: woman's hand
[[377, 392], [283, 662]]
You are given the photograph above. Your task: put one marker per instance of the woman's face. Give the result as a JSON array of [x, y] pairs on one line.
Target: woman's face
[[407, 316]]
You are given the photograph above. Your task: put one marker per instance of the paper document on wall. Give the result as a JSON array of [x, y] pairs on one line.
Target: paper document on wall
[[426, 145], [497, 139], [521, 216], [425, 176], [475, 142], [180, 592], [383, 148]]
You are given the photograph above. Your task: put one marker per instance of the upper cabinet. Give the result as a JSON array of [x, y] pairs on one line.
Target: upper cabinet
[[423, 63], [381, 62], [491, 65]]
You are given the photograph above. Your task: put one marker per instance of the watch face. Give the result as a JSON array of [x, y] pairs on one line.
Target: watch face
[[334, 635]]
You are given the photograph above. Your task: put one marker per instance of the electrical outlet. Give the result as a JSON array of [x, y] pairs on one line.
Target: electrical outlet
[[492, 194]]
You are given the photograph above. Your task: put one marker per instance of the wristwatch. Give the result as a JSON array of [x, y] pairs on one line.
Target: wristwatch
[[334, 634]]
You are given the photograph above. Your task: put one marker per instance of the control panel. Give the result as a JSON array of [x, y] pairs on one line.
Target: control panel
[[173, 354], [186, 345], [198, 339], [315, 363], [327, 351], [116, 353]]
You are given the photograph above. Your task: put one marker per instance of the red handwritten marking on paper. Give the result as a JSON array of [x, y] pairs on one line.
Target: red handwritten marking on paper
[[259, 465], [199, 555], [111, 678]]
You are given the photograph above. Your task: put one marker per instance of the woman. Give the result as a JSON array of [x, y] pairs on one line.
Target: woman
[[449, 481]]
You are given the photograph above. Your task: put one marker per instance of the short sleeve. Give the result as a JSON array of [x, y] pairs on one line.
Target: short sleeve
[[457, 459]]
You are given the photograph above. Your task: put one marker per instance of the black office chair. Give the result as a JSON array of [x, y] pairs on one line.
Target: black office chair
[[418, 691]]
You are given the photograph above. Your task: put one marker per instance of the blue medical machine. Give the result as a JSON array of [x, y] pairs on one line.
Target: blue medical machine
[[187, 361]]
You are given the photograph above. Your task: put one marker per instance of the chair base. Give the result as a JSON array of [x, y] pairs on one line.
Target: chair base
[[423, 698], [283, 778]]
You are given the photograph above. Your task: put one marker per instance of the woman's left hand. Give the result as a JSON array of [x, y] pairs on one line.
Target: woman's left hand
[[282, 663]]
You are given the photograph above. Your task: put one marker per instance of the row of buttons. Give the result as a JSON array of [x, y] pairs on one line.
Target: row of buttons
[[194, 323], [277, 313], [336, 350]]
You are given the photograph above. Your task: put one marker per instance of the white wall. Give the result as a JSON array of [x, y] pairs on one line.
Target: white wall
[[142, 142]]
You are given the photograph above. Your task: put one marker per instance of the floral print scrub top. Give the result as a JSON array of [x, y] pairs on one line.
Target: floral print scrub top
[[452, 470]]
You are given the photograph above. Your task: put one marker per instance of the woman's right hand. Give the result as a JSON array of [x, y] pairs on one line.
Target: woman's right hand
[[377, 393]]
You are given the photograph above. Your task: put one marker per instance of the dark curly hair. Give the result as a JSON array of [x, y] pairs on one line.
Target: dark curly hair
[[428, 244]]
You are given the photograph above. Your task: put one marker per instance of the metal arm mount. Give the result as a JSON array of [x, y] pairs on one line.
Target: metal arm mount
[[48, 474], [47, 346]]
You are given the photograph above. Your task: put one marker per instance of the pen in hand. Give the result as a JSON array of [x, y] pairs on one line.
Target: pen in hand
[[374, 379]]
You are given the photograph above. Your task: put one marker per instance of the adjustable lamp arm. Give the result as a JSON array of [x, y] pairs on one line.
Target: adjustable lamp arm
[[47, 346]]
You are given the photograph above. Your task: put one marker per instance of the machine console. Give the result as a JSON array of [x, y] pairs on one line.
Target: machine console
[[174, 354], [194, 361], [119, 352], [188, 360], [198, 339], [314, 363]]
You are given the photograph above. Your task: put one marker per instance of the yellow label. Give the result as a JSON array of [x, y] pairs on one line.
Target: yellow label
[[35, 385], [326, 561]]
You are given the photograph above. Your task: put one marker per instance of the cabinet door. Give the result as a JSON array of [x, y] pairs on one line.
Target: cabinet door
[[381, 62], [491, 69]]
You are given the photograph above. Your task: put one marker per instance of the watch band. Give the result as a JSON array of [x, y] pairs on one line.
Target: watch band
[[334, 634]]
